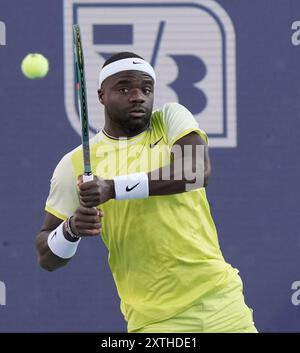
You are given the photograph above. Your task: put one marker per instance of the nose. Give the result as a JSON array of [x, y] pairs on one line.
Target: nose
[[137, 96]]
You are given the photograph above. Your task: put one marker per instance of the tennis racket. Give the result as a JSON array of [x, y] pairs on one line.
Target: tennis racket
[[82, 102]]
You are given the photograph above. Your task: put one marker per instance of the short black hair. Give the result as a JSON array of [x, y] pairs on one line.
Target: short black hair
[[120, 56]]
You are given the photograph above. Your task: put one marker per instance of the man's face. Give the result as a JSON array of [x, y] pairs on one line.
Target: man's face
[[128, 100]]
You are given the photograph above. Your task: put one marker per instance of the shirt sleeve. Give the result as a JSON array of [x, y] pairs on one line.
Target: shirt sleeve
[[179, 122], [63, 197]]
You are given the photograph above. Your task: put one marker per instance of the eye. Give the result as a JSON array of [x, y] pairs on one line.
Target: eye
[[124, 90], [147, 90]]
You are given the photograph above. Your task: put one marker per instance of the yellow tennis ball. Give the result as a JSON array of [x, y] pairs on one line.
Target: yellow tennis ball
[[34, 66]]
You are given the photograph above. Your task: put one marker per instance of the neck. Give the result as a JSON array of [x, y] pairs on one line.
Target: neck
[[114, 131], [114, 135]]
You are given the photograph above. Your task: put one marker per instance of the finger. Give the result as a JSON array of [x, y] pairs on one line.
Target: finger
[[90, 191], [93, 211], [90, 204], [82, 226], [87, 185], [90, 232], [79, 179], [91, 198], [88, 219]]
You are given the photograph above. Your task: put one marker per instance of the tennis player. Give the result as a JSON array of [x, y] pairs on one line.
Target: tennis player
[[148, 203]]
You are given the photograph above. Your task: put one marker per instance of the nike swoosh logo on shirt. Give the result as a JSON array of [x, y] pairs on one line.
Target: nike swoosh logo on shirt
[[134, 62], [155, 143], [54, 235], [129, 189]]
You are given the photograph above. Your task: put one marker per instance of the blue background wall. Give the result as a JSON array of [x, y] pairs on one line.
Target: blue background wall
[[254, 191]]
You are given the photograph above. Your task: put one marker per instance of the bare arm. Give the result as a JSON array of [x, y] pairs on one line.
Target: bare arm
[[85, 222], [190, 169], [46, 258]]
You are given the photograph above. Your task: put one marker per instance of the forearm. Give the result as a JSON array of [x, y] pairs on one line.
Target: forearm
[[176, 178], [46, 258], [189, 169], [58, 240], [180, 176]]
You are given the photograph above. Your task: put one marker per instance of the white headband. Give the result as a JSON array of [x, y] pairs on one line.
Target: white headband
[[124, 65]]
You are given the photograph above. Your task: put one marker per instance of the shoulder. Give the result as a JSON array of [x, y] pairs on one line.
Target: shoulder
[[75, 155], [175, 114], [66, 160], [178, 121], [170, 108], [169, 113]]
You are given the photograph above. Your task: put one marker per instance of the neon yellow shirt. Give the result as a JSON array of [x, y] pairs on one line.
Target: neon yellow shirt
[[163, 250]]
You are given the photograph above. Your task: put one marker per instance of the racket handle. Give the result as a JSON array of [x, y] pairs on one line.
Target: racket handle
[[87, 178]]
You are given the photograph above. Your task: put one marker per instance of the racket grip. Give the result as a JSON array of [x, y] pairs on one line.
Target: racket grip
[[87, 178]]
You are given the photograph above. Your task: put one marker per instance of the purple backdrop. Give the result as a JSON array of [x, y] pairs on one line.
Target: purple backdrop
[[253, 191]]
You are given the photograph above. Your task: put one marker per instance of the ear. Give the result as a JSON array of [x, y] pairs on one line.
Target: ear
[[100, 95]]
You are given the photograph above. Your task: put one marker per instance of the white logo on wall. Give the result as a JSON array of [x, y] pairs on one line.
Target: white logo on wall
[[2, 293], [191, 46], [296, 34], [2, 33], [296, 295]]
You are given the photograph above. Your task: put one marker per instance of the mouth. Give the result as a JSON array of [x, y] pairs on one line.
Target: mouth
[[137, 112]]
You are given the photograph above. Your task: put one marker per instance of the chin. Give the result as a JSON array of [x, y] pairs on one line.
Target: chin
[[137, 124], [136, 128]]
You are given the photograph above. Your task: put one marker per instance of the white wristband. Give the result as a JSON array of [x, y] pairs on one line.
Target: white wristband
[[131, 186], [59, 245]]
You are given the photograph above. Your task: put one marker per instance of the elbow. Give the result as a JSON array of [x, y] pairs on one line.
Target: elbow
[[44, 264], [40, 254], [50, 264], [43, 254]]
